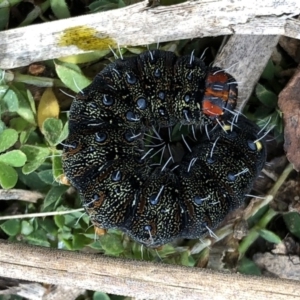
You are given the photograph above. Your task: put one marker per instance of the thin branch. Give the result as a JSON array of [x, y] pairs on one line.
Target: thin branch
[[41, 215]]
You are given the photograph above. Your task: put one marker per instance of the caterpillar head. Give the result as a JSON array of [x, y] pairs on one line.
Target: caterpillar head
[[220, 97]]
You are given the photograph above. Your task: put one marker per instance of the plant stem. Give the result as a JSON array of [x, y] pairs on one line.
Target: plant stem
[[39, 215], [267, 217]]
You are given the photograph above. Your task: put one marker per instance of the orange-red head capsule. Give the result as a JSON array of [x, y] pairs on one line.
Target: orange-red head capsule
[[220, 96]]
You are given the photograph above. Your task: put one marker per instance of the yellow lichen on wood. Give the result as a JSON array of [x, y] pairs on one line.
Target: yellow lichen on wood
[[86, 38]]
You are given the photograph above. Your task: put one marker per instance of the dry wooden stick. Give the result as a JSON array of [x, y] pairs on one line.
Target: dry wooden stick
[[136, 25], [135, 278], [23, 195], [245, 57]]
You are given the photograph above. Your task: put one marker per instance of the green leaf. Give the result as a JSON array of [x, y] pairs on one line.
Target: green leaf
[[8, 99], [64, 134], [35, 139], [265, 96], [47, 176], [9, 3], [59, 221], [25, 135], [102, 5], [11, 227], [54, 196], [19, 124], [167, 250], [248, 267], [52, 129], [2, 76], [35, 157], [60, 9], [33, 181], [38, 237], [67, 243], [112, 244], [80, 241], [186, 259], [273, 120], [26, 227], [100, 296], [8, 138], [22, 127], [136, 50], [48, 225], [31, 101], [35, 13], [14, 158], [8, 176], [57, 167], [68, 65], [292, 221], [121, 3], [24, 109], [269, 236], [74, 80], [66, 234], [2, 126], [269, 71], [84, 57], [31, 16], [88, 231], [79, 218], [96, 245], [4, 17]]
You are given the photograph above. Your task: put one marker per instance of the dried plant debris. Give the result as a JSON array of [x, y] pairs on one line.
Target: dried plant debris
[[284, 259], [292, 47], [29, 290], [37, 291], [281, 266], [288, 198], [289, 104], [288, 246]]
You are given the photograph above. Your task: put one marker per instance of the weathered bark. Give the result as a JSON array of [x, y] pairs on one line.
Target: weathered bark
[[136, 25], [135, 278]]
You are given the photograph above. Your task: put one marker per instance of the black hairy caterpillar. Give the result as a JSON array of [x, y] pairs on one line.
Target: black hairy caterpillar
[[121, 157]]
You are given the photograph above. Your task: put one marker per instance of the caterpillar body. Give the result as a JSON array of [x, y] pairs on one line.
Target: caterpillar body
[[122, 158]]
